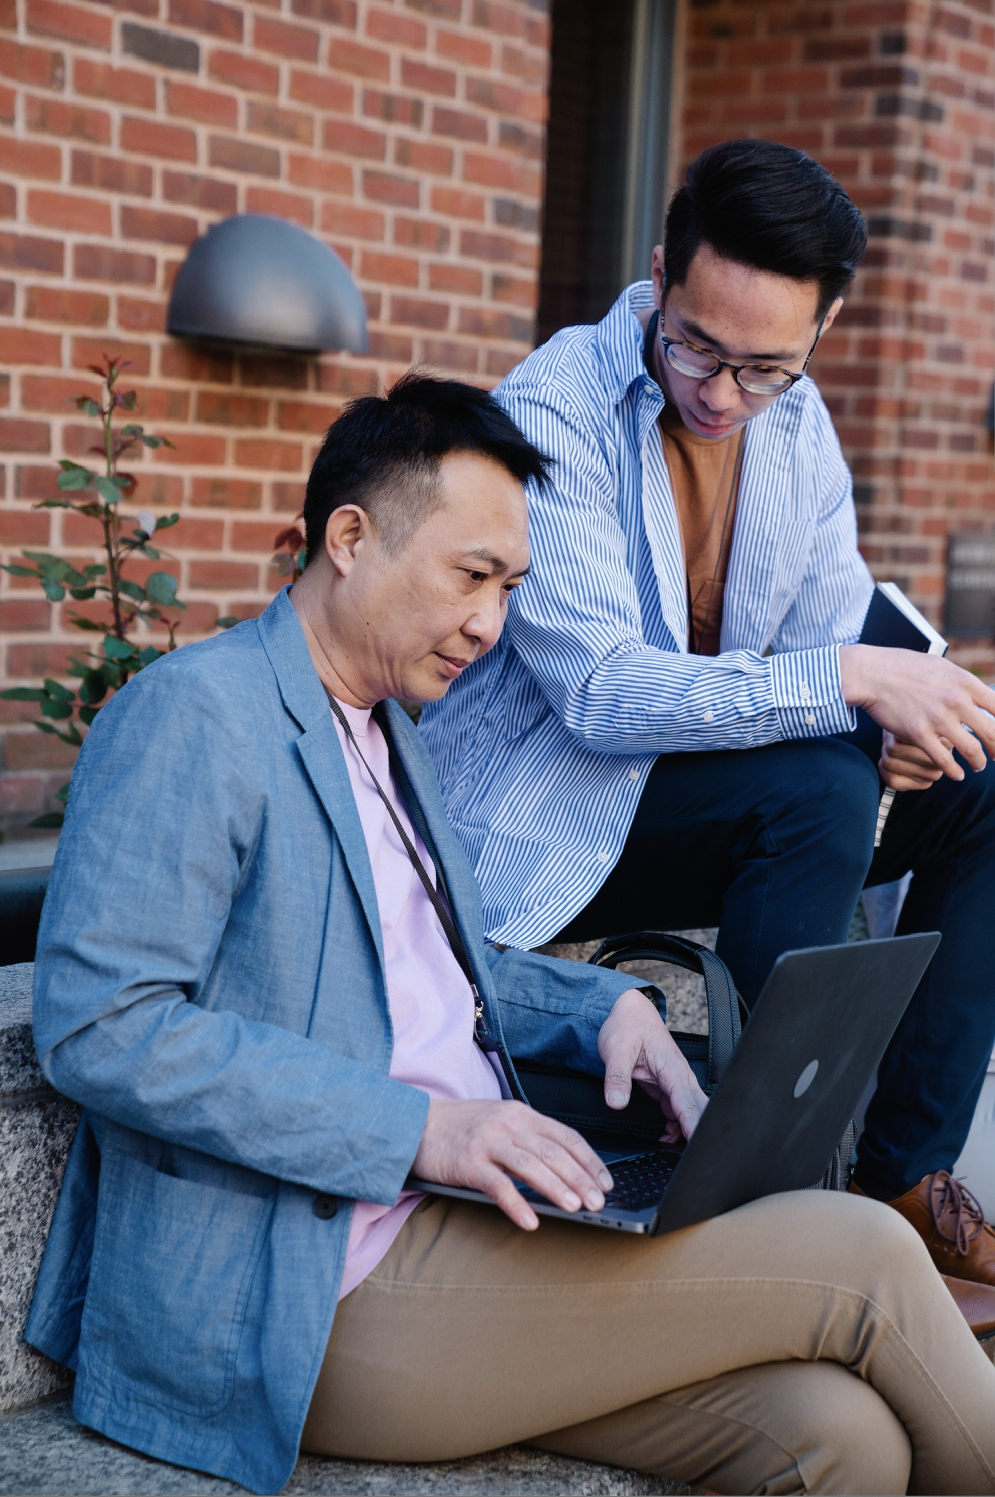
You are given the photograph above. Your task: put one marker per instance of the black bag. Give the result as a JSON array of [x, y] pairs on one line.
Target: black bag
[[578, 1099]]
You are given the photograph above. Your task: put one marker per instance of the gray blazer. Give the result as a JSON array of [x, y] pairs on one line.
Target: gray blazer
[[210, 986]]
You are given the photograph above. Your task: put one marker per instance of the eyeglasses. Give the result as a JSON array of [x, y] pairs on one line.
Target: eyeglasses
[[755, 379]]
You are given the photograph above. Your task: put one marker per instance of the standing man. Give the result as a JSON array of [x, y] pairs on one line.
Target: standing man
[[663, 736]]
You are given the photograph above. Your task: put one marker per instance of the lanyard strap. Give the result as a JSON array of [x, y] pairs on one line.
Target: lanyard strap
[[438, 903]]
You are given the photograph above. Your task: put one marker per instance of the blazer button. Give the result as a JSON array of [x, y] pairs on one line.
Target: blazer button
[[325, 1207]]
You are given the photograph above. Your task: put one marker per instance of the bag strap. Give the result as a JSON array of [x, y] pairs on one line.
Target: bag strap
[[726, 1010], [438, 903]]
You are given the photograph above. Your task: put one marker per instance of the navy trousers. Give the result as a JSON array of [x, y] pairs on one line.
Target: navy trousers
[[773, 845]]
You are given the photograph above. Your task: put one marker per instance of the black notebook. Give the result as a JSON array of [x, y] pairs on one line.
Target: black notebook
[[895, 623]]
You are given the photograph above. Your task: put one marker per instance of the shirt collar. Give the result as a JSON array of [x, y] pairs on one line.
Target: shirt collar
[[620, 340]]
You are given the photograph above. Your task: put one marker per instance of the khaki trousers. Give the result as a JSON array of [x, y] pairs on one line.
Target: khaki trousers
[[803, 1343]]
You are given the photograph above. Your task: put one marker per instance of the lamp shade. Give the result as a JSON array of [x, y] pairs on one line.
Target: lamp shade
[[262, 281]]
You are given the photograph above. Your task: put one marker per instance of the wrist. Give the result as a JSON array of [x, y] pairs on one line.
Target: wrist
[[854, 660]]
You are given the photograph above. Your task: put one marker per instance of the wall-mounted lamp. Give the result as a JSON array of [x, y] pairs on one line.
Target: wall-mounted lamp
[[266, 283]]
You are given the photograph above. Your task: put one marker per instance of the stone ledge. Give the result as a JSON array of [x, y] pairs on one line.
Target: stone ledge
[[46, 1453]]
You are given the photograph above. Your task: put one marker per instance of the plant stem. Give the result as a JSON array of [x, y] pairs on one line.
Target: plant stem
[[109, 520]]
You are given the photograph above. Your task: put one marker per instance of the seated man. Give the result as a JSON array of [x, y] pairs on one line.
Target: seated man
[[652, 743], [268, 1016]]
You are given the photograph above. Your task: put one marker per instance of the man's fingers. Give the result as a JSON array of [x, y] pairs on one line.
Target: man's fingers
[[618, 1087], [502, 1191]]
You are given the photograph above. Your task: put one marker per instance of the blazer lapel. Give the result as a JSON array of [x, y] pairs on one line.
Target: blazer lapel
[[319, 747]]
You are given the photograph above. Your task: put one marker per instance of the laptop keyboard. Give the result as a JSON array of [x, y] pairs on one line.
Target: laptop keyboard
[[640, 1182]]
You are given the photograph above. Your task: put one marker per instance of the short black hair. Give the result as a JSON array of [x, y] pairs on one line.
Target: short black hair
[[771, 207], [384, 451]]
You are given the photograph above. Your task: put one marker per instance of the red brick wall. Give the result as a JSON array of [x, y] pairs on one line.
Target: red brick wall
[[408, 135], [895, 97]]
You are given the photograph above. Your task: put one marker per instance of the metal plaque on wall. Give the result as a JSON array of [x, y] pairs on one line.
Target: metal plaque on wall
[[971, 585]]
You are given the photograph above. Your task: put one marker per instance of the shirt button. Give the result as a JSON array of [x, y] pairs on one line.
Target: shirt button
[[603, 857], [633, 774], [709, 716], [810, 719], [325, 1207], [805, 690]]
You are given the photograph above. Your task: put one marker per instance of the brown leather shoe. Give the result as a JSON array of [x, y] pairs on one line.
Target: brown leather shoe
[[976, 1302], [952, 1224]]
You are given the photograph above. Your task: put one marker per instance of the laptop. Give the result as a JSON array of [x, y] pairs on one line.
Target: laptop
[[813, 1042]]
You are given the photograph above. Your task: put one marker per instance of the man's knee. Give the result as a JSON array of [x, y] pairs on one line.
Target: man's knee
[[828, 790]]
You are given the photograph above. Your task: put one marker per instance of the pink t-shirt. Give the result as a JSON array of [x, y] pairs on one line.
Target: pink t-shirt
[[431, 1006]]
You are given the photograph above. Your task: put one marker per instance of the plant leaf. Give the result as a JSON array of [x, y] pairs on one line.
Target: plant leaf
[[131, 589], [50, 819], [93, 688], [74, 477], [19, 571], [56, 689], [63, 794], [150, 655], [118, 649], [131, 430], [165, 521], [82, 623], [228, 622], [23, 694], [87, 406], [161, 588], [108, 489], [87, 714]]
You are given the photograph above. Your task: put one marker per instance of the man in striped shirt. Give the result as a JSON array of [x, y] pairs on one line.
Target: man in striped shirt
[[665, 735]]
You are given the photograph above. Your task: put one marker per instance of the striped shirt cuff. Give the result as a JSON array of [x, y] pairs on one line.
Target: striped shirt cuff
[[808, 693]]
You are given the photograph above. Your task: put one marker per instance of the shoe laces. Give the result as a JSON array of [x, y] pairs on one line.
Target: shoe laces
[[949, 1197]]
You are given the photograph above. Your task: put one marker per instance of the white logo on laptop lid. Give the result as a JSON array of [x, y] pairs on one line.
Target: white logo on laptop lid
[[806, 1078]]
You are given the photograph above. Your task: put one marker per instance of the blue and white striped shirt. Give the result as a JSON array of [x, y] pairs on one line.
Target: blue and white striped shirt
[[543, 746]]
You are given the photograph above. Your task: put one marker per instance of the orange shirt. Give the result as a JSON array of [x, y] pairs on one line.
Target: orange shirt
[[704, 475]]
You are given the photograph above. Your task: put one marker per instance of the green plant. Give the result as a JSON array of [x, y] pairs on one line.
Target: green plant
[[128, 601]]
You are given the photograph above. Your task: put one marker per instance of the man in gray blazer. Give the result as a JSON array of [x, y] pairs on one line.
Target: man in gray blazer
[[248, 976]]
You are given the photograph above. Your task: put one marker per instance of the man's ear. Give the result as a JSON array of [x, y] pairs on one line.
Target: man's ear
[[658, 273], [831, 316], [348, 530]]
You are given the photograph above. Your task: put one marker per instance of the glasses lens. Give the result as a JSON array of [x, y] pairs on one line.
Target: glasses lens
[[689, 361], [757, 380]]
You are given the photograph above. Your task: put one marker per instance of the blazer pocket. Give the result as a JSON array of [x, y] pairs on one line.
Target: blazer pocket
[[173, 1261]]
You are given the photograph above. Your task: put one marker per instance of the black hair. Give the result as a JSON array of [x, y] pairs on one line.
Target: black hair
[[771, 207], [384, 451]]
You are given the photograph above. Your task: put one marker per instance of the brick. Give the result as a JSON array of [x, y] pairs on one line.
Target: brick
[[98, 80], [36, 66], [249, 73], [290, 205], [200, 192], [502, 97], [456, 46], [501, 18], [164, 405], [298, 42], [35, 750], [226, 493], [459, 280], [21, 345], [300, 415], [522, 293], [111, 175], [88, 351], [421, 233], [194, 450], [26, 252], [7, 289], [149, 223], [20, 527], [321, 90], [243, 156], [323, 176], [424, 156], [62, 304], [197, 535], [416, 312], [151, 138], [207, 15], [285, 124], [288, 498], [55, 117], [61, 210], [494, 247], [398, 109], [205, 105], [196, 365], [23, 436], [331, 12], [348, 56], [357, 223], [451, 202], [354, 140], [509, 213], [51, 393], [222, 574], [8, 106], [385, 187], [514, 137], [160, 47], [32, 661], [269, 455], [253, 535], [426, 79], [482, 322], [98, 262], [393, 270], [446, 353], [30, 158], [271, 371], [449, 9], [405, 31], [458, 124], [216, 408], [72, 23]]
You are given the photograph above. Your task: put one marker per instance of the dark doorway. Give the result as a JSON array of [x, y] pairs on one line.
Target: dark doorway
[[607, 148]]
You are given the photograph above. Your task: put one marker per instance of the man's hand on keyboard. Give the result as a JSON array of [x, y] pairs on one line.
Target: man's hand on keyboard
[[636, 1045]]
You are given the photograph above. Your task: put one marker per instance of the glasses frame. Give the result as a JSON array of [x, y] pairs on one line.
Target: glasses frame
[[737, 369]]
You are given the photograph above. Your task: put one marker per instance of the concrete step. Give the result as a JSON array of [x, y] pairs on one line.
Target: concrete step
[[44, 1452]]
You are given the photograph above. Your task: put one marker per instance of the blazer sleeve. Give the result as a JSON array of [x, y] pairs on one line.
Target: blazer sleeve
[[552, 1010], [162, 823]]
